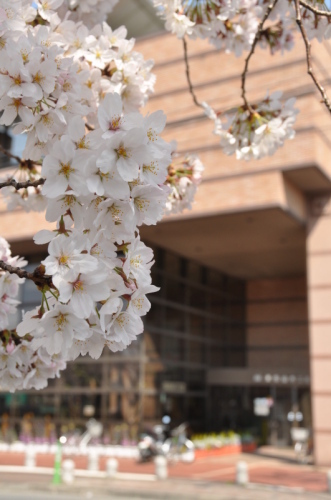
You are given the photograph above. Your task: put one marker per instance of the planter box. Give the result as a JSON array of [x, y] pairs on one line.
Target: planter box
[[226, 450]]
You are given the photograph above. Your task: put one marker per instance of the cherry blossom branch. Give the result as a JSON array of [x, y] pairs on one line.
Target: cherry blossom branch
[[188, 76], [257, 37], [10, 155], [313, 9], [308, 56], [37, 276], [24, 163], [20, 185]]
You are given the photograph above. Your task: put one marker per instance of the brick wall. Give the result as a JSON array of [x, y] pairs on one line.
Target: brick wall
[[277, 324]]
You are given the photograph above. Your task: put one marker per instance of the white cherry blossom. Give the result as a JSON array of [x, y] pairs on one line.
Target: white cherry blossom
[[97, 166], [66, 257]]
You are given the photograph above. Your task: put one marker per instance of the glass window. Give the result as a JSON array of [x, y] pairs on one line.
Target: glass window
[[153, 376], [196, 410], [174, 406], [197, 298], [217, 356], [156, 315], [153, 345], [193, 272], [196, 380], [157, 277], [172, 264], [72, 407], [235, 357], [175, 319], [218, 330], [197, 352], [172, 374], [198, 325], [173, 348], [152, 408], [122, 375], [218, 305], [175, 291], [82, 375]]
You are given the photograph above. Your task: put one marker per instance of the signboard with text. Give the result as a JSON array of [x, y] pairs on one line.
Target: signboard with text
[[262, 406]]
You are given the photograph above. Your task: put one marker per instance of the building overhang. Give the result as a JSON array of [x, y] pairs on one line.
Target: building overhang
[[263, 242], [308, 178]]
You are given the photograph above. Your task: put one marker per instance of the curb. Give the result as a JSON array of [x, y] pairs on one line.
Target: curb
[[22, 469]]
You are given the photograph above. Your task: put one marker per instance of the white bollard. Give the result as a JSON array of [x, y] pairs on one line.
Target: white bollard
[[93, 460], [242, 473], [161, 469], [30, 457], [328, 474], [68, 471], [111, 467]]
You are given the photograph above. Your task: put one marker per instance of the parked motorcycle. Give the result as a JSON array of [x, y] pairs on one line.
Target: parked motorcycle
[[173, 445], [151, 444]]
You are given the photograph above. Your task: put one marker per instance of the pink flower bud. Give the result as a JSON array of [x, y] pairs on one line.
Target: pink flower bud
[[10, 346]]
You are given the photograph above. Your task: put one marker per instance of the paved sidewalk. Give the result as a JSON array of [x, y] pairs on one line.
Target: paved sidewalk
[[268, 466], [275, 469], [172, 489]]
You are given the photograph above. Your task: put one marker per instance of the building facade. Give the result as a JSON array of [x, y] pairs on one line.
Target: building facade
[[244, 311]]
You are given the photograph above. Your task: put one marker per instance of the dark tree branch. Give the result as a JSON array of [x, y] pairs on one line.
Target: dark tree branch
[[37, 276], [308, 56], [13, 157], [21, 185], [306, 5], [24, 163], [257, 37], [188, 76]]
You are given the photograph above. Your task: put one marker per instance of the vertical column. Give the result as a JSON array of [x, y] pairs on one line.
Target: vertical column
[[319, 313]]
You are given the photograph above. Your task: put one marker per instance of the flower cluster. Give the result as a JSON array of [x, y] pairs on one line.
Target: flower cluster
[[102, 167], [9, 284], [99, 195], [231, 25], [90, 12], [184, 176], [54, 72], [250, 131], [22, 366], [258, 131]]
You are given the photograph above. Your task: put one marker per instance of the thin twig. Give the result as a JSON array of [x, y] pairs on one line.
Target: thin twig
[[37, 277], [188, 76], [22, 185], [325, 13], [257, 37], [13, 157], [29, 164], [308, 56]]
